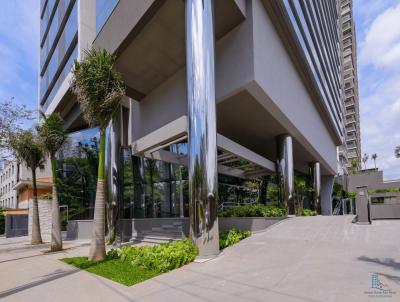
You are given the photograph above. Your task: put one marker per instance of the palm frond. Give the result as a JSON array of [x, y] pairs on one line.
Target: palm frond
[[98, 87]]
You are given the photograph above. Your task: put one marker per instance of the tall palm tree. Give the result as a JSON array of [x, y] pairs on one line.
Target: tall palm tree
[[29, 150], [53, 135], [374, 157], [365, 159], [99, 89], [397, 151]]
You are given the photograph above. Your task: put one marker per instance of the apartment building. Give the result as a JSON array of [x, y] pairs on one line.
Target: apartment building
[[8, 178], [216, 91], [351, 150], [16, 184]]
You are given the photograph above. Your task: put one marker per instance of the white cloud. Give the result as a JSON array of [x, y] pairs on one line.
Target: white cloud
[[379, 82], [381, 46]]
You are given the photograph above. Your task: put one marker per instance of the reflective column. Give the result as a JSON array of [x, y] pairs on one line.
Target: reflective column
[[285, 168], [202, 142], [112, 167], [316, 179]]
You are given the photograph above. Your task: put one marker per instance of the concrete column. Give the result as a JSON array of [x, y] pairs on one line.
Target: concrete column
[[316, 180], [202, 134], [362, 206], [86, 25], [285, 168], [326, 194]]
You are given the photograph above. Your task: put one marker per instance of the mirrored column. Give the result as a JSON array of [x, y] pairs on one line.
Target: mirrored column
[[285, 168], [202, 142], [112, 167], [316, 180]]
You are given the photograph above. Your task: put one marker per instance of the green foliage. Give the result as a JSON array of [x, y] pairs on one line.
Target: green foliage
[[27, 148], [52, 132], [2, 222], [98, 87], [306, 212], [351, 195], [12, 116], [160, 258], [232, 237], [113, 269], [337, 189], [384, 190], [255, 210]]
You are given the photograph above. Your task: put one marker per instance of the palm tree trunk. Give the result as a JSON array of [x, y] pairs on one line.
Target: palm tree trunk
[[56, 241], [97, 248], [36, 236]]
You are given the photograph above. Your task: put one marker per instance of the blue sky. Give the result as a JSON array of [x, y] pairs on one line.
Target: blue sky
[[378, 38]]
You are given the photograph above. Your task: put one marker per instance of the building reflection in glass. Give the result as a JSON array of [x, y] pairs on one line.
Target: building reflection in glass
[[150, 188], [77, 164]]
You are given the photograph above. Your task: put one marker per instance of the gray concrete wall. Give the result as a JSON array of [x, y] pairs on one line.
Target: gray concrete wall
[[167, 102], [372, 179], [254, 224], [274, 74], [385, 211], [82, 229]]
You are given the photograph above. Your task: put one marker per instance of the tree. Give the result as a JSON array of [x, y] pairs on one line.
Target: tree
[[11, 115], [365, 159], [99, 89], [374, 157], [397, 152], [29, 150], [53, 135]]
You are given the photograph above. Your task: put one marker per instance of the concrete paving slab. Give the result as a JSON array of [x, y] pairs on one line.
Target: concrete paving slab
[[301, 259]]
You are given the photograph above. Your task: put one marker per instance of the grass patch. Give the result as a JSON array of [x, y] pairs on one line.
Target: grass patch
[[113, 269]]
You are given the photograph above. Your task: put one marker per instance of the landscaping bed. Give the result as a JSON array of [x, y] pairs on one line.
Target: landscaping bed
[[130, 265]]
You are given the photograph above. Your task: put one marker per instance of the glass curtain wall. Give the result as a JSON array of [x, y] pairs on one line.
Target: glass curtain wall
[[77, 164]]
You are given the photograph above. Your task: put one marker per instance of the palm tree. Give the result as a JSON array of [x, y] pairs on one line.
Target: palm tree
[[374, 157], [365, 159], [99, 89], [397, 152], [53, 135], [28, 149]]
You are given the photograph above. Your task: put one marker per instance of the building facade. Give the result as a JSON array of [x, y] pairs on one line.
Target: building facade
[[8, 178], [256, 91], [351, 150]]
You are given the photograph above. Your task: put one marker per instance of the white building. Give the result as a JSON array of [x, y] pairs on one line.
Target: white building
[[8, 178]]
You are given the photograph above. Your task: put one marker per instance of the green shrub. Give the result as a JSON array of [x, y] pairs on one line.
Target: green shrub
[[255, 210], [307, 212], [160, 258], [231, 237]]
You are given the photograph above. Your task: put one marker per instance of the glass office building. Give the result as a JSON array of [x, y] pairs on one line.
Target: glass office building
[[315, 26], [58, 45]]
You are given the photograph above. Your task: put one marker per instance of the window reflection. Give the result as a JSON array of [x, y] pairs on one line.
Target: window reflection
[[77, 164]]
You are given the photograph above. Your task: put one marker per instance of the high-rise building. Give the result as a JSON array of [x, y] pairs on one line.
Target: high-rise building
[[351, 150], [217, 92]]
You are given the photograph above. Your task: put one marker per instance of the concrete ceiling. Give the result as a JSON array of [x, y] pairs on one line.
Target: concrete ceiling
[[158, 51], [242, 119]]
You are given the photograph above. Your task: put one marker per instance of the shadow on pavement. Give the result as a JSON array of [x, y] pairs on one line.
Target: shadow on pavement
[[54, 276], [389, 262]]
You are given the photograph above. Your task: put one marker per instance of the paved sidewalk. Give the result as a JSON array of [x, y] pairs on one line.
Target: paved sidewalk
[[300, 259]]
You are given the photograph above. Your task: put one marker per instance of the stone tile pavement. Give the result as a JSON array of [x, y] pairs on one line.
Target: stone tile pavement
[[301, 259]]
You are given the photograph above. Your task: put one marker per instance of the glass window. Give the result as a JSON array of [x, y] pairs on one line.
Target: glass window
[[77, 164], [104, 9]]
